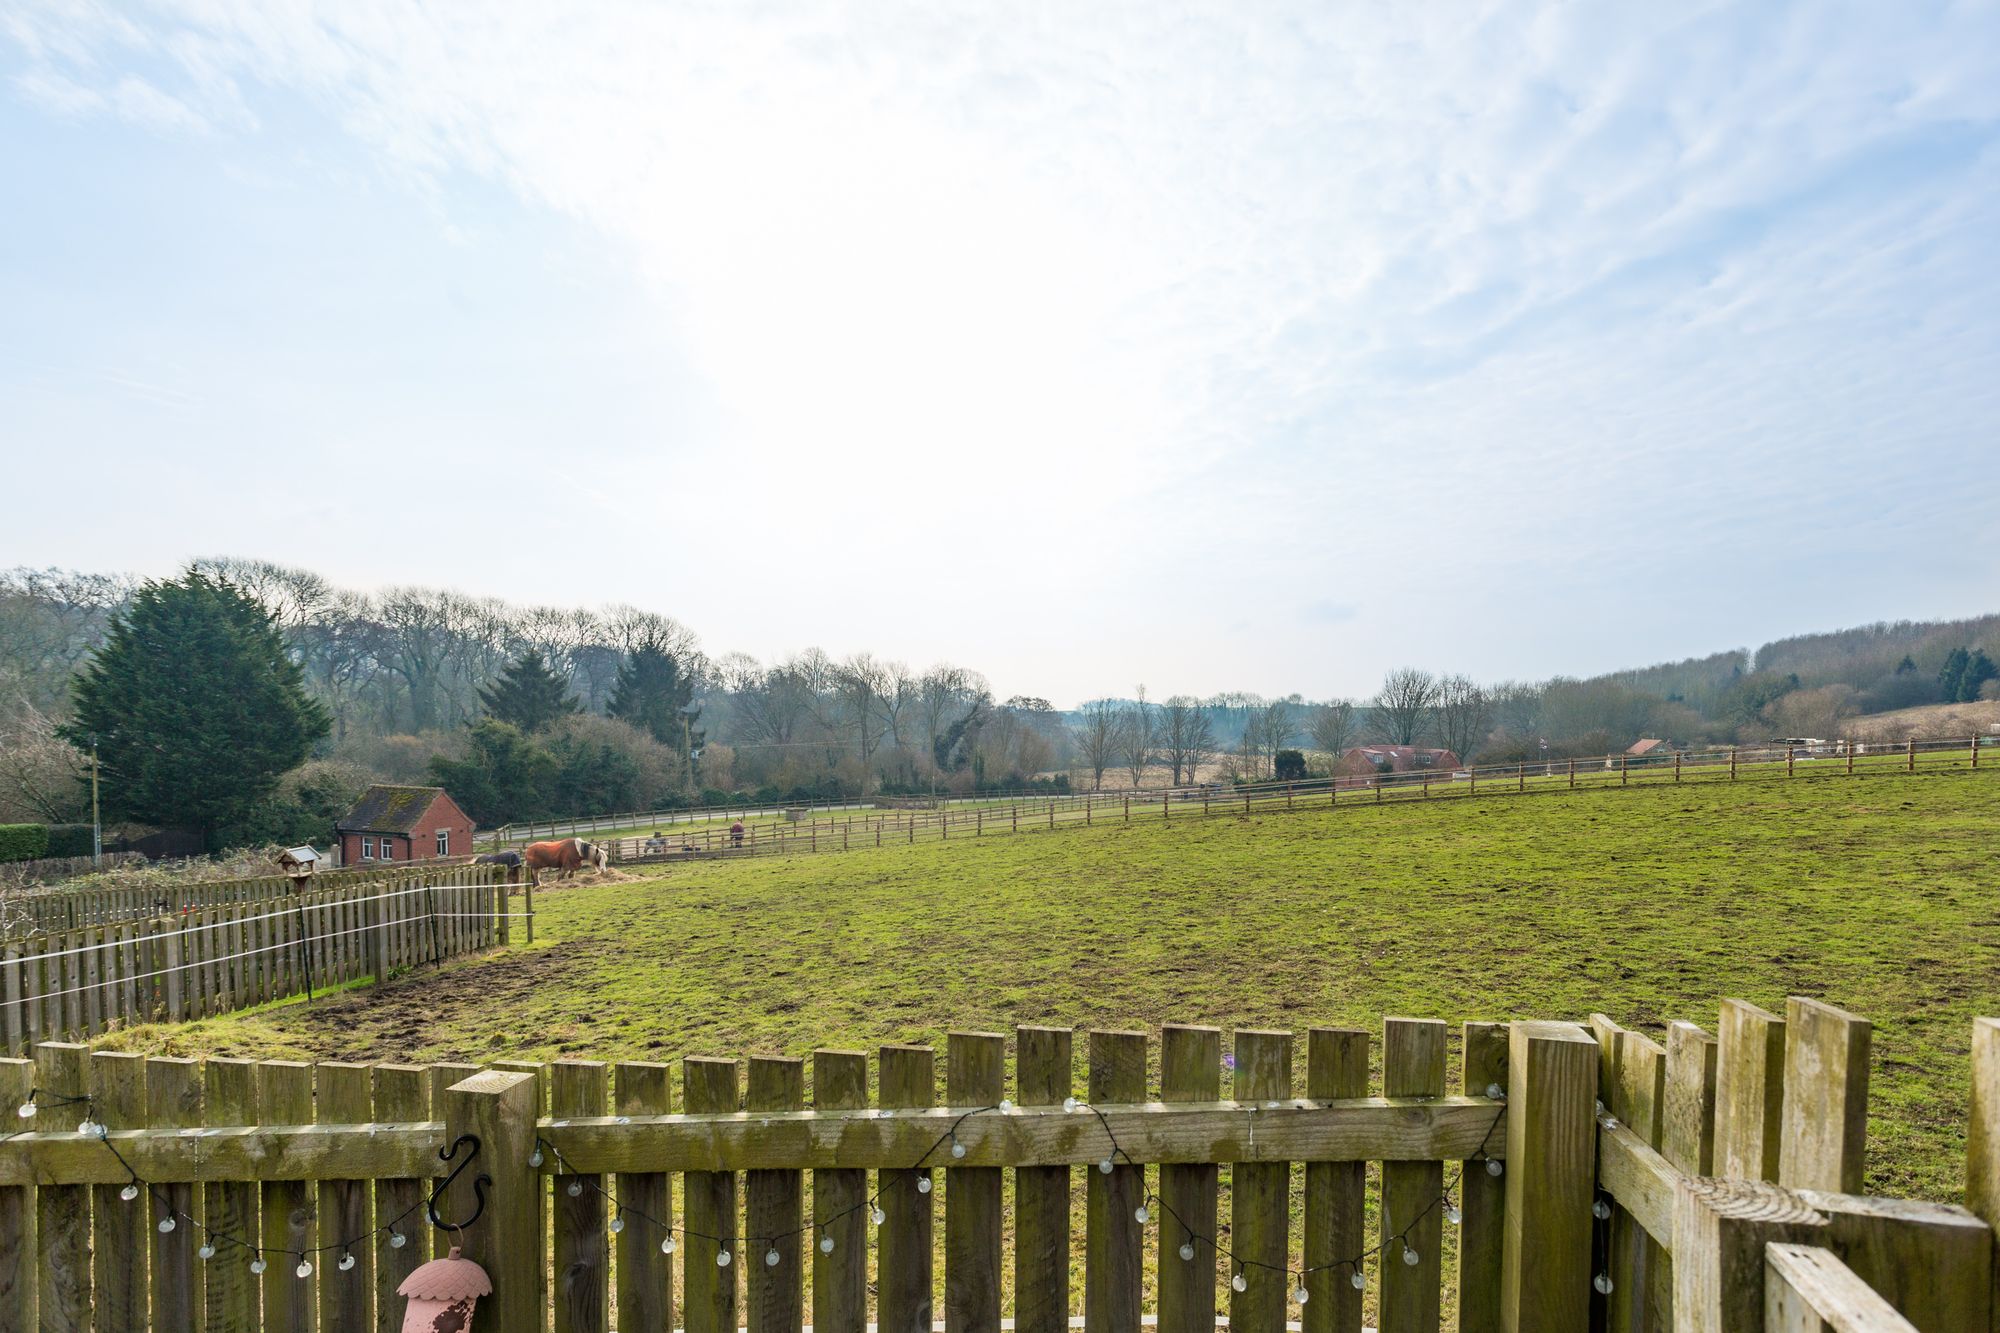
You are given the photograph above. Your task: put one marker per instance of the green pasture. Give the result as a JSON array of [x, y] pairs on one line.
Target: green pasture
[[1880, 894]]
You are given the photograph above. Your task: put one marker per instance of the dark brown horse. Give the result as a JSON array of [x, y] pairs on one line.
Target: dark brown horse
[[565, 856], [511, 860]]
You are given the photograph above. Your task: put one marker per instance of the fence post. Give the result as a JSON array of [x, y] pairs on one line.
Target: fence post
[[1720, 1230], [1572, 771], [1550, 1167], [499, 1106], [1982, 1139], [62, 1212], [1975, 751], [1732, 763], [1789, 753], [17, 1219], [1677, 766], [1911, 767]]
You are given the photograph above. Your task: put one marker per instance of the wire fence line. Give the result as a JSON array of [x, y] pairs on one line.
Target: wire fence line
[[987, 817]]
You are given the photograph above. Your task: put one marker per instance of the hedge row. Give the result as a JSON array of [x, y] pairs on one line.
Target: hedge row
[[24, 842], [33, 842], [69, 840]]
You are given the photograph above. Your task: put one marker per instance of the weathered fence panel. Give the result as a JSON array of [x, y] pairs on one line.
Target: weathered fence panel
[[300, 1204]]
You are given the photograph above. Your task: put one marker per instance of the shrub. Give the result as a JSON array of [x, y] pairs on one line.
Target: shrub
[[69, 840], [23, 842]]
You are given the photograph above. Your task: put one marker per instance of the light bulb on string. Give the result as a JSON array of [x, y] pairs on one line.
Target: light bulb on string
[[617, 1223], [957, 1148], [535, 1158], [130, 1192], [826, 1244], [771, 1257], [1493, 1167], [1140, 1214], [89, 1126], [1603, 1284], [575, 1189], [1496, 1092], [1187, 1249], [305, 1269], [667, 1245], [1105, 1166], [1069, 1104], [167, 1224], [397, 1240], [27, 1111], [207, 1251], [347, 1261], [878, 1217], [258, 1265], [1359, 1280], [1239, 1283], [1600, 1210], [1299, 1293], [1452, 1215], [923, 1184], [1006, 1105], [1409, 1255], [722, 1259]]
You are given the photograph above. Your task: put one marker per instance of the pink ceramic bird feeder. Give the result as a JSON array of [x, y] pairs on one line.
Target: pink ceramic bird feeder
[[442, 1293]]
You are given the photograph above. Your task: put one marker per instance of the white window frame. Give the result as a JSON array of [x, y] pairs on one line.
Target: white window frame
[[444, 842], [368, 847], [388, 849]]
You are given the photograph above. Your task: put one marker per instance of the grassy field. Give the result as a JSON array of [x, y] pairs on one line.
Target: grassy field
[[1877, 894]]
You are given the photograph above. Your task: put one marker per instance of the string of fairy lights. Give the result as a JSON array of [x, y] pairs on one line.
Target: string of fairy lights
[[917, 1176]]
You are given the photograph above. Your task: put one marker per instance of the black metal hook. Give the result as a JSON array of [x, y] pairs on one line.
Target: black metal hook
[[479, 1184]]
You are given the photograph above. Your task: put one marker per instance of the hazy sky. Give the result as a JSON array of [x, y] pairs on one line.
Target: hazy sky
[[1254, 346]]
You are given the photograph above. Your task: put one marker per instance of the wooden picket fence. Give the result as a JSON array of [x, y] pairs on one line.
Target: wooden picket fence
[[26, 911], [210, 960], [1583, 1177]]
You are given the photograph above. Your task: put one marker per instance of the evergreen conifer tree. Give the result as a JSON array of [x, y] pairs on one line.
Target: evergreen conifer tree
[[196, 707], [529, 695], [1952, 678], [651, 691]]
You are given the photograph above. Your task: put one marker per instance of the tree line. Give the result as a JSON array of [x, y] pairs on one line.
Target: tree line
[[528, 712]]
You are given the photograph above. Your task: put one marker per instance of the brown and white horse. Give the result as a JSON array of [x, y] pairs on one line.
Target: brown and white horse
[[565, 856]]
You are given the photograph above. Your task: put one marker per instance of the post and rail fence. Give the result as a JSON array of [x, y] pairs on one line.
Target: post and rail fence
[[986, 816], [1581, 1176]]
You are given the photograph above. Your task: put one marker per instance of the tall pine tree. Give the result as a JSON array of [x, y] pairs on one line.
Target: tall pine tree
[[196, 708], [529, 695], [651, 693]]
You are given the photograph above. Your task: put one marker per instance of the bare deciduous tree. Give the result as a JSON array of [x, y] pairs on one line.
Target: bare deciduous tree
[[1404, 703], [1099, 736], [1137, 742], [1334, 727], [1461, 714], [1187, 737]]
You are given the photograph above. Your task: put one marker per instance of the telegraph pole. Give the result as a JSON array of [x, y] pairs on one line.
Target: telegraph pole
[[96, 824]]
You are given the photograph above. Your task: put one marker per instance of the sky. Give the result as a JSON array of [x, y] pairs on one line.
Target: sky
[[1235, 346]]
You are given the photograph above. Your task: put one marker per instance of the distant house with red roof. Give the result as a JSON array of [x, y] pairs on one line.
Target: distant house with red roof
[[1367, 760], [392, 823]]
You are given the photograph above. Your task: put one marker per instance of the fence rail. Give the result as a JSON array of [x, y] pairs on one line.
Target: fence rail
[[210, 960], [608, 1201], [976, 817]]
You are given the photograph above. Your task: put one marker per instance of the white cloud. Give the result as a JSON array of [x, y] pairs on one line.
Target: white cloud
[[1116, 269]]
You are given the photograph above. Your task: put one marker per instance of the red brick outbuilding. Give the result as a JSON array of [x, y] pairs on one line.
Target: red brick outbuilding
[[403, 824]]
